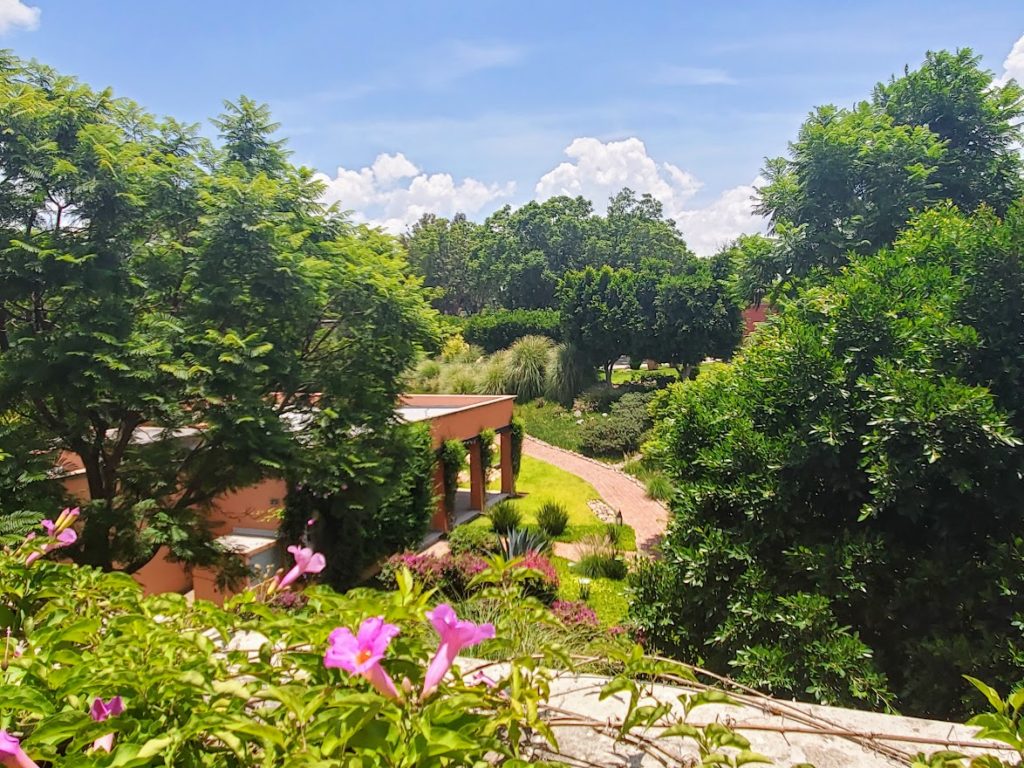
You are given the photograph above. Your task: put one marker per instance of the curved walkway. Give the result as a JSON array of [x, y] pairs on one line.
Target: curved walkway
[[621, 492]]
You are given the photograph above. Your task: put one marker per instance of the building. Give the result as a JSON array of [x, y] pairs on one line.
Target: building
[[246, 520]]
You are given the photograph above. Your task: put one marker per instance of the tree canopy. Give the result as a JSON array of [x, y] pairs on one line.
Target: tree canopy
[[152, 279], [854, 177], [847, 522]]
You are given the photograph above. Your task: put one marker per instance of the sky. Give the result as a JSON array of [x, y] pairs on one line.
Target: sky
[[447, 106]]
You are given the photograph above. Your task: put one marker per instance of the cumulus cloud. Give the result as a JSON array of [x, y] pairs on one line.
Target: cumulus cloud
[[1013, 65], [393, 192], [14, 14], [597, 170]]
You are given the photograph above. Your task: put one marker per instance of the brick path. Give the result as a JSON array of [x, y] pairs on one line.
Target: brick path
[[620, 491]]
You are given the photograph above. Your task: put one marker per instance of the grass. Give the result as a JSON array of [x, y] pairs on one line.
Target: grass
[[541, 482], [626, 375], [609, 599], [551, 423]]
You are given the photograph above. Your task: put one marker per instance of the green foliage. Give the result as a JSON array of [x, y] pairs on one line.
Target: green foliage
[[516, 434], [505, 516], [501, 328], [622, 430], [246, 686], [525, 364], [602, 566], [519, 542], [854, 178], [487, 448], [360, 518], [822, 481], [566, 375], [473, 539], [453, 460], [600, 313], [150, 277], [553, 518]]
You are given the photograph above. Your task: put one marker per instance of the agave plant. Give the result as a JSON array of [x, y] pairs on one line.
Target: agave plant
[[521, 541]]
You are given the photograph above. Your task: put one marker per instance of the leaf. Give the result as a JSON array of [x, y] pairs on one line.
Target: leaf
[[990, 693]]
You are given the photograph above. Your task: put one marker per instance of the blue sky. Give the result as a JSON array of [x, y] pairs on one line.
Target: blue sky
[[475, 104]]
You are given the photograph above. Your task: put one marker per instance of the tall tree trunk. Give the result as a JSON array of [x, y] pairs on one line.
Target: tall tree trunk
[[94, 544], [608, 372]]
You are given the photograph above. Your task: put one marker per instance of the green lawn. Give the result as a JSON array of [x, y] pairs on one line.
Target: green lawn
[[551, 423], [609, 598], [539, 482], [626, 375]]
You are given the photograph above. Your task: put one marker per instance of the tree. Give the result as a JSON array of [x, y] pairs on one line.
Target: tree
[[978, 122], [854, 178], [635, 232], [173, 314], [445, 253], [847, 523], [600, 313]]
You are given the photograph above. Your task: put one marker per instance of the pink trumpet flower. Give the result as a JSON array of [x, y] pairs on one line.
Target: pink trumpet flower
[[62, 538], [455, 635], [11, 753], [64, 521], [306, 561], [361, 654], [100, 711]]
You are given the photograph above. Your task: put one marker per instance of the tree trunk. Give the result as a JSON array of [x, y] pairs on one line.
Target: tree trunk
[[608, 372]]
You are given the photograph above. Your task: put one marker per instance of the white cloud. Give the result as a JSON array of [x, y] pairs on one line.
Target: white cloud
[[598, 170], [674, 75], [393, 192], [731, 214], [14, 13], [1013, 65]]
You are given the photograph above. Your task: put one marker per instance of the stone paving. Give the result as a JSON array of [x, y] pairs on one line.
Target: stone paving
[[621, 492]]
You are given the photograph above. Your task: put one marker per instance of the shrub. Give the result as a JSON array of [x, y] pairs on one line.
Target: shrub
[[499, 329], [493, 377], [486, 439], [553, 518], [459, 379], [374, 514], [598, 398], [474, 539], [659, 487], [517, 433], [611, 436], [543, 586], [451, 574], [566, 374], [602, 566], [456, 350], [522, 541], [453, 460], [527, 360], [505, 516], [574, 613]]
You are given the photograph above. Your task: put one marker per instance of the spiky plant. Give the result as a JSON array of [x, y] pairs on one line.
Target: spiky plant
[[566, 375], [521, 541], [493, 379], [527, 360]]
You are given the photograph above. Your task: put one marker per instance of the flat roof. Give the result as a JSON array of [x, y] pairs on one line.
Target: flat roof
[[425, 407], [412, 413]]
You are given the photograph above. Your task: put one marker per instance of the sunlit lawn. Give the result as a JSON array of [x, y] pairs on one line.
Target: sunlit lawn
[[540, 482]]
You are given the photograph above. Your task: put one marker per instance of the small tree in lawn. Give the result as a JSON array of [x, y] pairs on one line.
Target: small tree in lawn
[[600, 313]]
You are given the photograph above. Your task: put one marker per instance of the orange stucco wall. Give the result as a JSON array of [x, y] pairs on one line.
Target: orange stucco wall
[[478, 412], [252, 507]]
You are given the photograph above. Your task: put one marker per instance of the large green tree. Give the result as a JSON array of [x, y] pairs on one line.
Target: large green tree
[[847, 523], [854, 177], [600, 314], [174, 313]]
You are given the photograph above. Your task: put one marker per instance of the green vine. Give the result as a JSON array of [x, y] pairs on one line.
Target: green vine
[[486, 452], [518, 432], [453, 459]]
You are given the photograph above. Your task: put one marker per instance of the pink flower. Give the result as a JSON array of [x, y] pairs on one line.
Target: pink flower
[[58, 538], [455, 635], [65, 520], [361, 654], [11, 753], [306, 561], [100, 711]]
